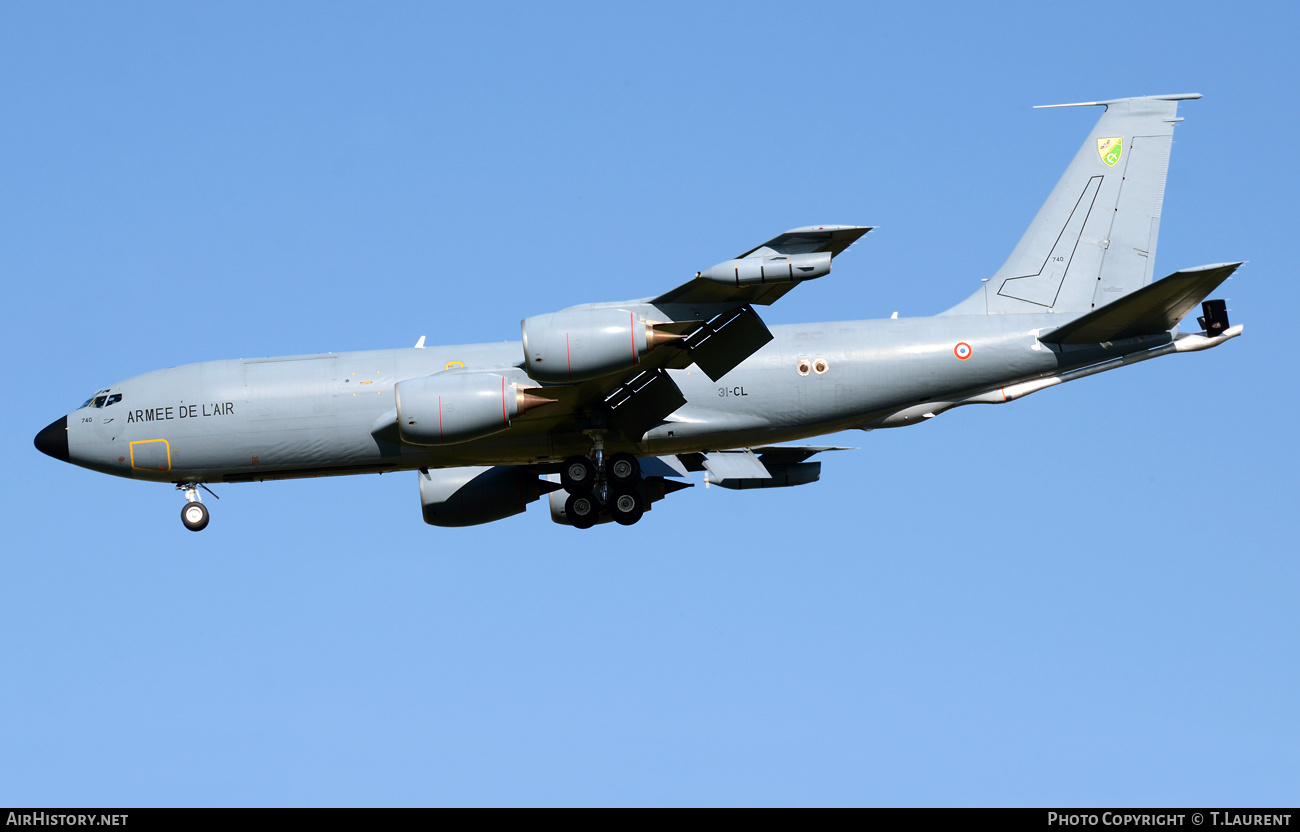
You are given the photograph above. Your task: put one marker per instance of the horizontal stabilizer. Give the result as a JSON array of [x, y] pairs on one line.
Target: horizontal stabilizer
[[1155, 308]]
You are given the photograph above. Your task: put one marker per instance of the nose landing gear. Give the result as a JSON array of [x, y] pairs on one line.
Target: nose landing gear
[[602, 486], [194, 514]]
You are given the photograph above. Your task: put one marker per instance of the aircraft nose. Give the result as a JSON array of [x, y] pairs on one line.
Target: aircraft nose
[[53, 439]]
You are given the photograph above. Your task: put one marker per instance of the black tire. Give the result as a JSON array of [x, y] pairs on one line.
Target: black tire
[[582, 511], [626, 507], [578, 475], [622, 470], [194, 516]]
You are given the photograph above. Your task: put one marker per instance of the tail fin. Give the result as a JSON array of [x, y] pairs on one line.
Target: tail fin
[[1094, 240]]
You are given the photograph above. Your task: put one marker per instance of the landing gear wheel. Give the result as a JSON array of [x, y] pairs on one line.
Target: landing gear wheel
[[622, 469], [578, 475], [582, 511], [626, 508], [195, 516]]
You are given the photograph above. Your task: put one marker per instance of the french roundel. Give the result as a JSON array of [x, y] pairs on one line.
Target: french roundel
[[962, 350]]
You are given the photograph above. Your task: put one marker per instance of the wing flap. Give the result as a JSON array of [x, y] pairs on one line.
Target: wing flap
[[642, 402], [718, 346], [1155, 308], [740, 464]]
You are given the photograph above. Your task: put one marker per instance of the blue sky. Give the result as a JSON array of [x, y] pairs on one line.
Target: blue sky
[[1085, 597]]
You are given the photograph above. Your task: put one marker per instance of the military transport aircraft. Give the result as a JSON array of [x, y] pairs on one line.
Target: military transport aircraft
[[605, 406]]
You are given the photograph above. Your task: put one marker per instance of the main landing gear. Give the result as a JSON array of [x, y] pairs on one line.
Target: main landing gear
[[194, 514], [597, 485]]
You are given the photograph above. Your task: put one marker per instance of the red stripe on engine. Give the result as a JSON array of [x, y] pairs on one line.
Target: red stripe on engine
[[504, 418], [631, 317]]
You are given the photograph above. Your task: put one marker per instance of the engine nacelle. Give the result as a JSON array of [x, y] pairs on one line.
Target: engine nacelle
[[474, 495], [778, 268], [579, 344], [451, 407]]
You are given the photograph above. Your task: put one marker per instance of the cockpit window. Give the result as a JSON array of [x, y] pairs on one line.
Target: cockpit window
[[91, 401], [101, 399]]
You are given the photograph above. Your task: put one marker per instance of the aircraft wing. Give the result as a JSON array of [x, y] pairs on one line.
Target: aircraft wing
[[708, 322], [813, 239], [1155, 308]]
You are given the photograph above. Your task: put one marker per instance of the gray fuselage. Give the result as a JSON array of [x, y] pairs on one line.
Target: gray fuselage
[[303, 416]]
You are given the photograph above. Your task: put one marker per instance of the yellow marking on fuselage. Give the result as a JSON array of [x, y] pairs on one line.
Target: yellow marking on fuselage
[[166, 445]]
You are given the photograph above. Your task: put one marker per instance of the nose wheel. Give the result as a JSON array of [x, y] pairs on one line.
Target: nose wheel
[[194, 514]]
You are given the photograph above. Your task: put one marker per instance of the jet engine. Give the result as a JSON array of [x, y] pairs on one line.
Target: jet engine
[[580, 344], [475, 495], [451, 407], [784, 268]]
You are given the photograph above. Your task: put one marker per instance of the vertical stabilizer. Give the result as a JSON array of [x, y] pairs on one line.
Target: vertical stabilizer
[[1094, 240]]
